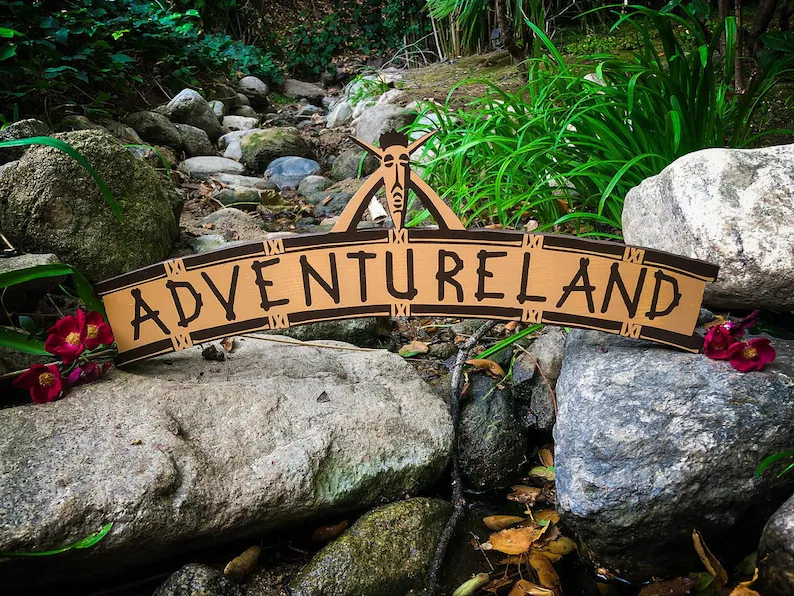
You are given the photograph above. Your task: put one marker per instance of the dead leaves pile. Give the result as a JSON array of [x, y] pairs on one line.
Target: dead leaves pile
[[531, 544]]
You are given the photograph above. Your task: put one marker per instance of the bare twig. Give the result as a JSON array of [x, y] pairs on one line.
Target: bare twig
[[297, 342], [458, 501]]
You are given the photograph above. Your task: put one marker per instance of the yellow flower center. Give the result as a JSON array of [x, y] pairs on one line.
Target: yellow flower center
[[92, 331], [73, 338], [750, 353], [46, 379]]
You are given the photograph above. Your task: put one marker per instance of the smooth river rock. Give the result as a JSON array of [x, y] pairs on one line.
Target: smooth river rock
[[651, 443], [732, 207], [776, 551], [180, 453]]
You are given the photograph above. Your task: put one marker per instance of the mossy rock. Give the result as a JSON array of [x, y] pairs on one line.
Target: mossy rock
[[50, 204], [387, 552], [263, 146]]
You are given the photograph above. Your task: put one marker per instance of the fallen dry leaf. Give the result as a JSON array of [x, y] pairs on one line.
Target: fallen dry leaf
[[744, 591], [543, 473], [710, 562], [500, 522], [513, 541], [560, 546], [532, 224], [209, 226], [510, 326], [487, 365], [527, 495], [546, 515], [414, 348], [244, 564], [546, 457], [523, 587], [498, 583], [228, 343], [547, 575], [328, 533]]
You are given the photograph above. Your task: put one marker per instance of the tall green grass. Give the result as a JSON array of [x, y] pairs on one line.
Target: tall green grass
[[565, 150]]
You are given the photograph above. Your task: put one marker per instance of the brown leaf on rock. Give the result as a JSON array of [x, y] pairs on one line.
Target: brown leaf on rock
[[513, 541], [498, 583], [244, 564], [500, 522], [546, 515], [488, 366], [528, 495], [546, 457], [744, 591], [561, 545], [511, 325], [328, 533], [414, 348], [710, 562], [228, 343], [523, 587], [547, 575]]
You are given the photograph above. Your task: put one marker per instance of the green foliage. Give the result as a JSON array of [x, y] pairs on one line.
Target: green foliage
[[51, 53], [773, 459], [367, 85], [603, 43], [565, 150], [86, 542]]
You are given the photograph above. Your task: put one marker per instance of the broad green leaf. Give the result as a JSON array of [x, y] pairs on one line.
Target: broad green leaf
[[21, 342], [12, 278], [768, 461], [86, 542]]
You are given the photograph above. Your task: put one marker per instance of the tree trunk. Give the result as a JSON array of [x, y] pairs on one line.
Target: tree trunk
[[506, 30], [722, 6], [763, 17], [739, 62], [785, 15]]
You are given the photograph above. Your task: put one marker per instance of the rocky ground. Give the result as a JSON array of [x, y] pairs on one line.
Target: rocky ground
[[323, 466]]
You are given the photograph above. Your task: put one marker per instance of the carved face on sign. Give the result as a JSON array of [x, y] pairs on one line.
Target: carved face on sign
[[434, 272]]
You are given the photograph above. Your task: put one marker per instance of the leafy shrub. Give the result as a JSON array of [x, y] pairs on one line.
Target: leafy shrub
[[565, 150], [54, 55]]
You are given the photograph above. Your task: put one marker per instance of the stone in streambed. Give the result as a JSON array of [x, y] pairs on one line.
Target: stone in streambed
[[347, 164], [533, 390], [180, 453], [387, 552], [189, 107], [261, 147], [198, 580], [651, 442], [234, 123], [287, 172], [155, 129], [776, 552], [195, 141], [205, 166], [312, 185]]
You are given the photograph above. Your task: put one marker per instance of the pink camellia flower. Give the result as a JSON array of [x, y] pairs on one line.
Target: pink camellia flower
[[717, 343], [738, 329], [43, 381], [97, 331], [751, 355], [67, 337]]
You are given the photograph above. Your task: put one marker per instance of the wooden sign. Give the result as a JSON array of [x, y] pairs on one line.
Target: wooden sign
[[434, 272]]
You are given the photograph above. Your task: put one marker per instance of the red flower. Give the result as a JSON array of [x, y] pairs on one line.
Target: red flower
[[97, 331], [753, 355], [43, 382], [738, 329], [67, 337], [86, 373], [717, 343]]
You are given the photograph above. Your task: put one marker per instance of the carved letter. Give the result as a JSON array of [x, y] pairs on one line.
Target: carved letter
[[227, 304], [140, 307], [197, 302], [660, 277], [411, 290], [332, 289], [616, 280], [522, 295], [482, 273], [264, 284], [443, 276], [583, 275], [362, 269]]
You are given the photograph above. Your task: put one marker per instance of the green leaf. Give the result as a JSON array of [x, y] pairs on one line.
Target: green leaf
[[86, 542], [21, 342], [18, 276], [27, 324], [499, 346], [122, 58], [7, 52], [9, 33], [768, 461], [86, 292], [69, 150]]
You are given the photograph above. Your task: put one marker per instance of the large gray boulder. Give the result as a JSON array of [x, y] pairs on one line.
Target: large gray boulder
[[261, 147], [189, 107], [295, 89], [381, 118], [387, 552], [254, 89], [776, 552], [651, 443], [50, 204], [732, 207], [195, 141], [180, 452], [155, 129]]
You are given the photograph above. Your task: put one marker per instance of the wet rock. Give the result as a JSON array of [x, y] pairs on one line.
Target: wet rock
[[651, 442], [198, 580], [52, 205], [254, 89], [226, 95], [732, 207], [73, 122], [532, 390], [246, 112], [368, 332], [295, 89], [307, 111], [218, 108], [244, 101], [776, 553], [491, 439], [340, 193], [205, 166], [244, 181], [123, 133], [195, 141], [347, 164], [386, 553], [341, 114], [266, 455], [313, 185], [239, 123], [189, 107], [155, 129], [263, 146], [231, 137], [232, 195], [287, 172], [22, 129], [381, 118]]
